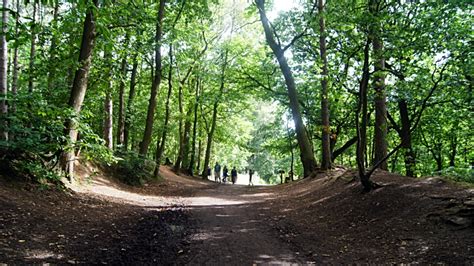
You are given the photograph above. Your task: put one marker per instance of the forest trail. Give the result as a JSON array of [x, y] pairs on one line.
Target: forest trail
[[185, 220], [229, 228]]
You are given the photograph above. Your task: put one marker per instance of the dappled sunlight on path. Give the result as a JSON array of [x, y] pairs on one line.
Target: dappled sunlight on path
[[231, 226]]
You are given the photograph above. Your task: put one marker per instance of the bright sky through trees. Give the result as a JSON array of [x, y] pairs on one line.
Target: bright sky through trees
[[279, 6]]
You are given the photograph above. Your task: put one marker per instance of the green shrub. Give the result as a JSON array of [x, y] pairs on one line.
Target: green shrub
[[458, 174], [132, 169]]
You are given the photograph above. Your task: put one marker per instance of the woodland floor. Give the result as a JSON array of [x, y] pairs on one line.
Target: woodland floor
[[184, 220]]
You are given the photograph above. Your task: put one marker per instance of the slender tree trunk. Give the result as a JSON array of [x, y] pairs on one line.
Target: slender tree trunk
[[452, 155], [195, 123], [32, 50], [198, 163], [186, 143], [147, 135], [210, 134], [79, 87], [108, 120], [131, 97], [121, 98], [306, 150], [438, 157], [361, 126], [394, 163], [108, 105], [344, 147], [52, 50], [3, 73], [15, 61], [380, 133], [179, 158], [292, 153], [160, 146], [326, 127], [405, 136]]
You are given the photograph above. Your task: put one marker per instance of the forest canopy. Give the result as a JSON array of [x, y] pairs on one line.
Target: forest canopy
[[274, 86]]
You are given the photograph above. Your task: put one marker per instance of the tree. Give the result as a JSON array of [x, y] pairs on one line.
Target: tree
[[380, 128], [147, 135], [3, 72], [326, 129], [79, 87], [306, 151]]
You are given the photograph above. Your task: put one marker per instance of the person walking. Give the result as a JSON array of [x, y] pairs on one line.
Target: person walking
[[233, 175], [250, 177], [217, 172], [225, 174]]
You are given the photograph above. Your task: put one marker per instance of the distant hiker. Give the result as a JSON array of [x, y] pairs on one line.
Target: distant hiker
[[250, 177], [233, 175], [208, 171], [217, 172], [225, 174]]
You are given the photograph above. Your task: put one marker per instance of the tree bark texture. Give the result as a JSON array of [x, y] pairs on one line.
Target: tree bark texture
[[362, 121], [186, 143], [79, 87], [121, 98], [52, 50], [108, 105], [3, 73], [16, 68], [326, 127], [405, 136], [160, 146], [131, 97], [32, 50], [195, 124], [306, 151], [380, 131], [147, 135]]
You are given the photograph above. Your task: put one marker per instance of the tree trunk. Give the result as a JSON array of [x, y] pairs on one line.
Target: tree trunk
[[438, 157], [344, 147], [52, 50], [198, 163], [121, 98], [380, 131], [186, 144], [326, 128], [210, 134], [14, 87], [32, 51], [452, 155], [147, 135], [108, 104], [108, 120], [160, 146], [361, 126], [405, 136], [292, 153], [79, 87], [179, 158], [306, 151], [195, 123], [131, 97], [3, 72]]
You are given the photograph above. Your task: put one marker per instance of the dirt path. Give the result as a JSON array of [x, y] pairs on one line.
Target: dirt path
[[184, 220], [230, 230], [226, 220]]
